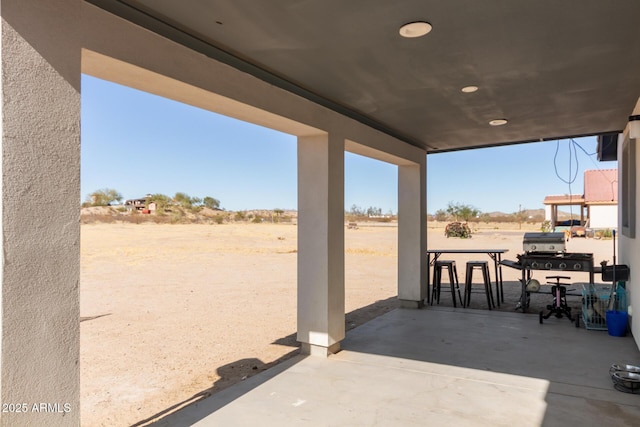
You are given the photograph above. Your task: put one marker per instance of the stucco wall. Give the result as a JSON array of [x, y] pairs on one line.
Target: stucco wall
[[40, 212]]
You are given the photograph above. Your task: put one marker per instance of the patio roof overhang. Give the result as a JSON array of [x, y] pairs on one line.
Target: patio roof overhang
[[551, 69], [565, 200]]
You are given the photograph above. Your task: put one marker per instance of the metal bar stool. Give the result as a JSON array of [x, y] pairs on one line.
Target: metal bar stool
[[453, 281], [484, 266]]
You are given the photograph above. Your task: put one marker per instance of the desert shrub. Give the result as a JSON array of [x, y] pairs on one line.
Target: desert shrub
[[176, 216], [240, 216], [457, 229], [257, 219], [160, 219], [219, 219], [382, 219], [93, 219]]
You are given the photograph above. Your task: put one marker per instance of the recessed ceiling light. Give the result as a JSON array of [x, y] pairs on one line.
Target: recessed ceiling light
[[498, 122], [469, 89], [415, 29]]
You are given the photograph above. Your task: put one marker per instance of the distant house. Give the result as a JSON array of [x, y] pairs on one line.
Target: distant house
[[138, 204], [598, 206]]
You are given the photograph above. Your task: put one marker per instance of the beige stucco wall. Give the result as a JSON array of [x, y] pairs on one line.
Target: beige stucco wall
[[40, 212]]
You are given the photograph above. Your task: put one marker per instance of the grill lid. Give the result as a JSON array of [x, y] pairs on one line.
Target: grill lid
[[543, 237], [543, 242]]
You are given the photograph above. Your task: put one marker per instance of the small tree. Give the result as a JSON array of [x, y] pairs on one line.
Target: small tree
[[104, 197], [211, 203], [193, 204], [467, 212], [460, 211], [356, 211], [452, 210], [374, 211], [183, 200], [276, 214]]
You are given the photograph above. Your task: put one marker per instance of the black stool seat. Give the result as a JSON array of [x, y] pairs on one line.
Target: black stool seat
[[484, 267], [453, 280]]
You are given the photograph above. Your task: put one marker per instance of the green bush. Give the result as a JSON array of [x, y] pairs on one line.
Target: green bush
[[457, 229]]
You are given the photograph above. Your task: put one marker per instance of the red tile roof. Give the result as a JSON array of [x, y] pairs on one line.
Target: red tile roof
[[601, 186]]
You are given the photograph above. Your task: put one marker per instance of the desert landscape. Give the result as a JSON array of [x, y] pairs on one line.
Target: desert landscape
[[171, 313]]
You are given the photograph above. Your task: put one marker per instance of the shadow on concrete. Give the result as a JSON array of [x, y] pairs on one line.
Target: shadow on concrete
[[244, 370], [512, 289], [230, 374], [497, 366], [353, 319]]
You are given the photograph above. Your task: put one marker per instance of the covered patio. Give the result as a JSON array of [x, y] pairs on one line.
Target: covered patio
[[441, 366], [340, 76]]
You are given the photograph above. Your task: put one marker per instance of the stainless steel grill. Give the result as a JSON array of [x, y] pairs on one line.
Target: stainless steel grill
[[564, 261], [544, 242]]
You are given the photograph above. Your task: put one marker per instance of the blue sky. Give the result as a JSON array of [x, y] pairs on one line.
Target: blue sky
[[138, 143]]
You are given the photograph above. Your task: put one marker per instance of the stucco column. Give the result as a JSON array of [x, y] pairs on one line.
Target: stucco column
[[321, 244], [40, 191], [412, 235]]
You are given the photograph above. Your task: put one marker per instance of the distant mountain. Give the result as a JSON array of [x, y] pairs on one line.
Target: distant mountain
[[536, 213], [526, 212]]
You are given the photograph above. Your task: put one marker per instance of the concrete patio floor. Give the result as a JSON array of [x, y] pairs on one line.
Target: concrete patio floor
[[438, 366]]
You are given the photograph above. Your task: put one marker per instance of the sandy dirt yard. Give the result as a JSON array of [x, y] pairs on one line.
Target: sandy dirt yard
[[171, 313]]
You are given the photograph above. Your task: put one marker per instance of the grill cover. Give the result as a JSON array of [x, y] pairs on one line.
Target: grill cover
[[544, 242]]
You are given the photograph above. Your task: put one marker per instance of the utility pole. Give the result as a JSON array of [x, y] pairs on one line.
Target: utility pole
[[519, 217]]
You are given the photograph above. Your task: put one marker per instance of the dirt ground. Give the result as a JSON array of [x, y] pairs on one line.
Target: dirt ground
[[171, 313]]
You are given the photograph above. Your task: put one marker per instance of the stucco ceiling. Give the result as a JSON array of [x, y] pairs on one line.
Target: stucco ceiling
[[552, 68]]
